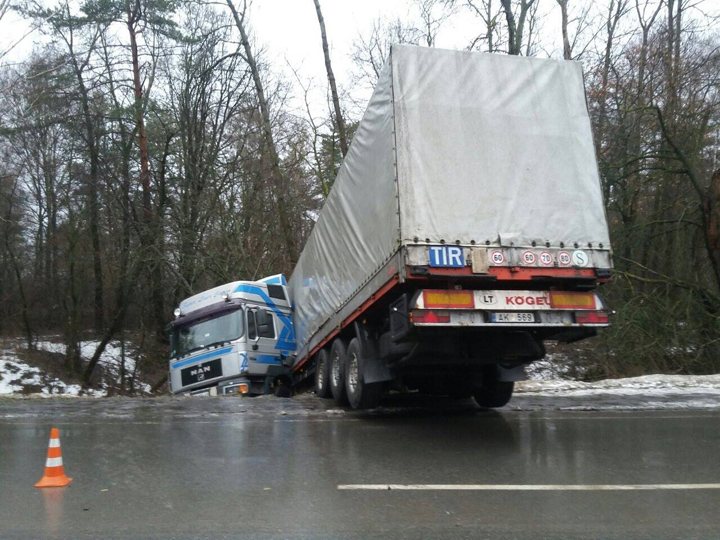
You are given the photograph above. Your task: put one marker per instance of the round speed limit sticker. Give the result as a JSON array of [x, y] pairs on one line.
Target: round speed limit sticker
[[497, 257], [564, 258]]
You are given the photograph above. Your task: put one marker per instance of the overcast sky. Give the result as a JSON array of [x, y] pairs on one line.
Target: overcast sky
[[289, 31]]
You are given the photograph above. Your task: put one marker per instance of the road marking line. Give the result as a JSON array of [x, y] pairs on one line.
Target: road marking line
[[525, 487]]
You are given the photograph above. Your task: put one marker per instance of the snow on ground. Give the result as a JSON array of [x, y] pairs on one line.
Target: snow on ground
[[649, 392], [16, 375], [555, 376], [647, 384], [111, 356], [110, 359]]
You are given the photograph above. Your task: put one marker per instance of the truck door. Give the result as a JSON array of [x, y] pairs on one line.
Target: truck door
[[262, 337]]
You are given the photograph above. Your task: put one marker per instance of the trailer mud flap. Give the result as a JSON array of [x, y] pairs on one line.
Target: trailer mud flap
[[511, 374], [374, 369]]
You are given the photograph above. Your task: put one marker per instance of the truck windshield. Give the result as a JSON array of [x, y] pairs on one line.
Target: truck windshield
[[198, 335]]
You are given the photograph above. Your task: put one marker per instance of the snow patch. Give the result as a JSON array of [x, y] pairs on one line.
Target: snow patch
[[111, 359], [16, 376], [656, 385]]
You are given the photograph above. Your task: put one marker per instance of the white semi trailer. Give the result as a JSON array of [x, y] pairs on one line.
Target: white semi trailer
[[465, 229]]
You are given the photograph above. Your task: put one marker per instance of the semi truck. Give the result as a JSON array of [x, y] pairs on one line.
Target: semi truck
[[465, 229], [233, 339]]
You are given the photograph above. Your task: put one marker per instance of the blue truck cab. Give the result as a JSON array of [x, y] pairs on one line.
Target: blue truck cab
[[233, 339]]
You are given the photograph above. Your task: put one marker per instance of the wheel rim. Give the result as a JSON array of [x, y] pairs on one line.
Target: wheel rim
[[336, 370], [353, 374], [320, 368]]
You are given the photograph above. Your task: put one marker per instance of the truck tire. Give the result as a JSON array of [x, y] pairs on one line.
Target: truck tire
[[322, 375], [337, 371], [283, 391], [494, 393], [361, 395]]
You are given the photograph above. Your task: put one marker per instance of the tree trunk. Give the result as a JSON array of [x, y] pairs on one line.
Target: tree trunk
[[510, 20], [278, 184], [139, 118], [151, 233], [567, 52], [24, 308], [515, 28], [339, 122], [94, 155]]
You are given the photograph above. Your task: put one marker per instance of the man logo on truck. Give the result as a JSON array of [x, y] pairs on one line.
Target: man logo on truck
[[200, 372]]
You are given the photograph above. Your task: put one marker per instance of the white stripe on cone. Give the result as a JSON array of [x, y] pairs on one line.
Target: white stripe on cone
[[54, 462], [54, 443]]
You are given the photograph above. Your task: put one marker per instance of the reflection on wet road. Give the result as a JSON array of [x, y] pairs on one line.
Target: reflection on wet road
[[270, 468]]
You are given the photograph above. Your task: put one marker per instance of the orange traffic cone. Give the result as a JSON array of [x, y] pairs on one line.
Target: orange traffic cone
[[54, 472]]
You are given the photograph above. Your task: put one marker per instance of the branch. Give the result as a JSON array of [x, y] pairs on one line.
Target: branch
[[690, 169]]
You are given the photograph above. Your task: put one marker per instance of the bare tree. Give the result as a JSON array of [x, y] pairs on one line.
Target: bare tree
[[276, 176], [9, 223], [490, 17], [433, 14], [567, 51], [339, 122], [582, 21], [370, 51], [516, 23]]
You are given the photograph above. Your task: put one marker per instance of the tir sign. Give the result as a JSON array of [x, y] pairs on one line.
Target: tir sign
[[446, 256]]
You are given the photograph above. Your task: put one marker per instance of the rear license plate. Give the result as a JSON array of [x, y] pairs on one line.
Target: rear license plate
[[201, 372], [512, 317]]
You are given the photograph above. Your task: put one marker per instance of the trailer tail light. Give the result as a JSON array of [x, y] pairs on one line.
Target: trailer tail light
[[429, 317], [572, 300], [592, 317], [243, 388], [449, 299]]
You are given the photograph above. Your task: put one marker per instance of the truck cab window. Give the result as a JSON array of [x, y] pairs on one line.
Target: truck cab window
[[265, 324], [215, 330]]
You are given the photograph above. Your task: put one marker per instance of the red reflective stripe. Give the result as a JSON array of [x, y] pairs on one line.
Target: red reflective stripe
[[591, 317], [429, 317]]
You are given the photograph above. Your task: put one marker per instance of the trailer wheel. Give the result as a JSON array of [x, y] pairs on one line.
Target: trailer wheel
[[337, 372], [494, 393], [322, 375], [361, 395]]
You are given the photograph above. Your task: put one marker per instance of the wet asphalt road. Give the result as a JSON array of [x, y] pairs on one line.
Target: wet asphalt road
[[270, 468]]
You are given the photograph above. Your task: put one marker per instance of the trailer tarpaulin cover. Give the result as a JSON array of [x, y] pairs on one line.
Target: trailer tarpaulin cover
[[358, 227], [467, 147], [494, 147]]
